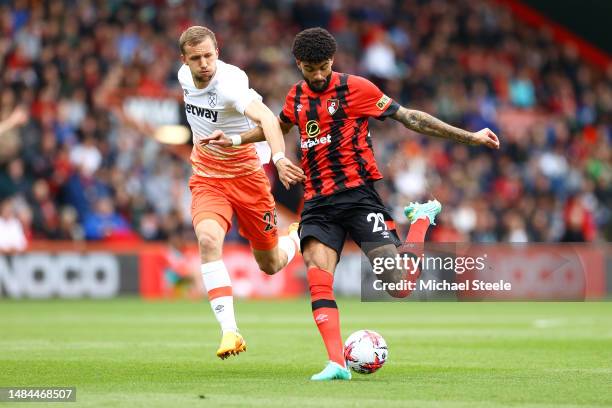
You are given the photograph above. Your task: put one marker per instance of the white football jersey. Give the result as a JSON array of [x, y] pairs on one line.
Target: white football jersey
[[221, 105]]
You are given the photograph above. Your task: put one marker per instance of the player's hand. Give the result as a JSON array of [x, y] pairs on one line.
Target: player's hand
[[288, 173], [486, 137], [217, 138]]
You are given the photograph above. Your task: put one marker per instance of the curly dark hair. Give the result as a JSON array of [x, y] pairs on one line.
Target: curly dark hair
[[314, 45]]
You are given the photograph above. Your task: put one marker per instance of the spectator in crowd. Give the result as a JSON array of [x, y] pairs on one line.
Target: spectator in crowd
[[12, 236], [45, 216], [15, 181], [88, 71], [17, 118], [104, 223], [69, 228]]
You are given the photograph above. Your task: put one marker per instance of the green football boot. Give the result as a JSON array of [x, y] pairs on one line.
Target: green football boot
[[430, 209], [333, 371]]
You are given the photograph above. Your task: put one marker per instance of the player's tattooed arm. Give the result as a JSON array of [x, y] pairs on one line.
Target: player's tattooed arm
[[426, 124]]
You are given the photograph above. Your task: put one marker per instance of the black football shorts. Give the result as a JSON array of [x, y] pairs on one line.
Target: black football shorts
[[357, 211]]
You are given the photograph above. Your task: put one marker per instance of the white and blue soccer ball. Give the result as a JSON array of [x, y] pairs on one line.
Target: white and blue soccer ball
[[365, 351]]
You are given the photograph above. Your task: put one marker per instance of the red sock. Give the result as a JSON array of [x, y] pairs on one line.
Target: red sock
[[415, 241], [325, 312], [418, 230]]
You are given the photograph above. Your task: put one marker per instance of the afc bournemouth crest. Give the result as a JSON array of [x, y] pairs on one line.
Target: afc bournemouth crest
[[212, 99], [332, 106]]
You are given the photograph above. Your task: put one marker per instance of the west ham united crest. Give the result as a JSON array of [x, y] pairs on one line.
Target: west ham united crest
[[212, 99], [332, 106]]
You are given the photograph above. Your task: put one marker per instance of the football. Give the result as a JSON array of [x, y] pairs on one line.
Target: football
[[365, 351]]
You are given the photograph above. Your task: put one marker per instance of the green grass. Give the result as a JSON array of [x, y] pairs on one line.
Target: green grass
[[132, 353]]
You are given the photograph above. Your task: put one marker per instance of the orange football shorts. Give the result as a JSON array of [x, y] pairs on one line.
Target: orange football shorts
[[249, 196]]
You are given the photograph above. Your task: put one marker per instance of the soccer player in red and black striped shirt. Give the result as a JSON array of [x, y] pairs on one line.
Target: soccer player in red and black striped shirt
[[331, 110]]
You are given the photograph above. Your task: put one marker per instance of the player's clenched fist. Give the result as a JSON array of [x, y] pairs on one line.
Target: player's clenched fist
[[486, 137]]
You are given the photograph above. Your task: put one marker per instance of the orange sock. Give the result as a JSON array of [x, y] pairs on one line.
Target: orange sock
[[325, 312]]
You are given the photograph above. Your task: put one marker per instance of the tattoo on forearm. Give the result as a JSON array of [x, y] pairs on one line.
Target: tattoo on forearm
[[426, 124]]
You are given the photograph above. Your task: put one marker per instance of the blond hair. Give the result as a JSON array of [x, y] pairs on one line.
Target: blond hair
[[195, 35]]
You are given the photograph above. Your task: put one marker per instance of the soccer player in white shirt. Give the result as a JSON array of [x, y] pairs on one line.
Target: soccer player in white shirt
[[228, 180]]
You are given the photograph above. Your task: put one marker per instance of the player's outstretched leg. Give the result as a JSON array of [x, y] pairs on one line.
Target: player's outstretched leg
[[273, 260], [421, 216], [219, 286]]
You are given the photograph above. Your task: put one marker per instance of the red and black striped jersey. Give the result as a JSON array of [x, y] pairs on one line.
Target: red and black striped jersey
[[334, 132]]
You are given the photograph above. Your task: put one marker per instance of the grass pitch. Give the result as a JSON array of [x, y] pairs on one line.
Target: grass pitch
[[140, 354]]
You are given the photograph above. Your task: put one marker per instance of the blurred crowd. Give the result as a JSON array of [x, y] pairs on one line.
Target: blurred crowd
[[72, 166]]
